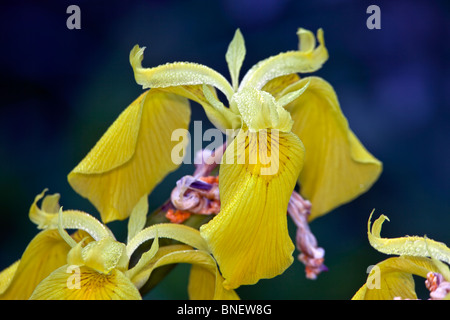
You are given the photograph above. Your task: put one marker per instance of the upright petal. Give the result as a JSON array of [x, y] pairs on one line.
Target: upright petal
[[249, 237], [133, 156], [205, 281], [337, 166], [276, 86], [45, 253], [48, 217], [220, 116], [176, 74], [84, 283], [187, 79], [409, 245], [235, 57], [305, 60]]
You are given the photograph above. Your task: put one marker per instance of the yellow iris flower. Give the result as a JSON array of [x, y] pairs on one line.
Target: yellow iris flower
[[297, 121], [92, 265], [393, 277]]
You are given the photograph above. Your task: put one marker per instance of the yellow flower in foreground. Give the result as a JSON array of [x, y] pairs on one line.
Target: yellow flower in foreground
[[393, 277], [93, 265], [276, 116]]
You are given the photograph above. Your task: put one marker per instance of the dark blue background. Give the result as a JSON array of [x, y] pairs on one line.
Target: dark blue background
[[61, 89]]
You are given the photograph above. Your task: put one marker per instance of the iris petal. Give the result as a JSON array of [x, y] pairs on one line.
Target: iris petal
[[7, 275], [220, 116], [205, 285], [133, 156], [307, 59], [249, 237], [409, 245], [84, 283], [395, 278], [276, 86], [46, 252], [337, 167], [202, 283], [176, 74]]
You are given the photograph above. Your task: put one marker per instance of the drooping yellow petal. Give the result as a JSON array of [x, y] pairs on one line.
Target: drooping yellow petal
[[45, 253], [442, 268], [409, 245], [207, 285], [133, 156], [221, 292], [202, 283], [205, 281], [7, 275], [392, 278], [249, 237], [337, 166], [71, 282]]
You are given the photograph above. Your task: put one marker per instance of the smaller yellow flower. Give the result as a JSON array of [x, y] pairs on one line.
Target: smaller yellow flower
[[93, 265], [393, 277], [45, 253]]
